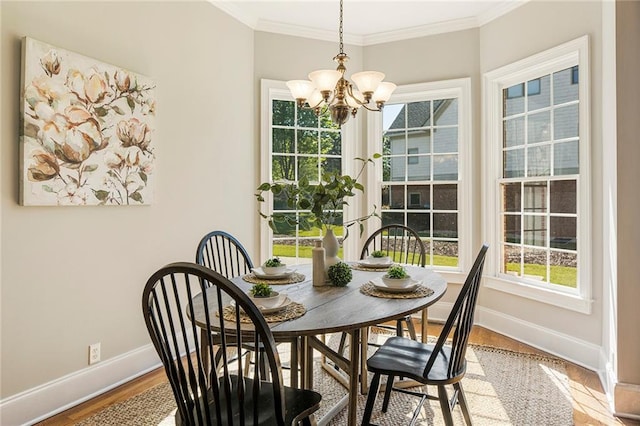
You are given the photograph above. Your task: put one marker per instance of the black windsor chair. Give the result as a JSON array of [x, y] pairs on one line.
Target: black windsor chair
[[436, 364], [207, 396], [403, 245]]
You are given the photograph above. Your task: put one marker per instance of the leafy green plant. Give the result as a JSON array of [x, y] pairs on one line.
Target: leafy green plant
[[325, 200], [261, 290], [397, 271], [274, 262], [378, 253], [340, 274]]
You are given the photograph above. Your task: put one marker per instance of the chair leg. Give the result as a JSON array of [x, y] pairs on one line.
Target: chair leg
[[262, 364], [399, 330], [444, 405], [387, 393], [411, 328], [204, 349], [343, 343], [374, 387], [247, 363], [463, 403]]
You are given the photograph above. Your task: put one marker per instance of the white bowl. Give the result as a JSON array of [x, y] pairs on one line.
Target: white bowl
[[379, 260], [396, 282], [274, 270], [266, 302]]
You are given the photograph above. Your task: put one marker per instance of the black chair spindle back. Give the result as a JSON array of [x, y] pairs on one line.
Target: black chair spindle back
[[222, 252], [401, 243], [169, 309], [460, 317]]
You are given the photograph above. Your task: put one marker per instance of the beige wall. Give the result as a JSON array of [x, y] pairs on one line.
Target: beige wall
[[628, 127], [73, 276], [281, 57]]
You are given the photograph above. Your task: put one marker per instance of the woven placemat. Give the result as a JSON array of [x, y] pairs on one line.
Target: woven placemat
[[359, 267], [296, 277], [291, 311], [370, 290]]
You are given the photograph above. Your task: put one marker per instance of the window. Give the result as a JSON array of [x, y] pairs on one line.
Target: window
[[424, 138], [412, 158], [517, 91], [538, 210], [414, 199], [295, 144]]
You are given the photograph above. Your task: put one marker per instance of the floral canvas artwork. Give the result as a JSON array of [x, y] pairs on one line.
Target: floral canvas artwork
[[87, 130]]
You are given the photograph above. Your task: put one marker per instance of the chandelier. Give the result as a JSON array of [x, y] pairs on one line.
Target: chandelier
[[330, 89]]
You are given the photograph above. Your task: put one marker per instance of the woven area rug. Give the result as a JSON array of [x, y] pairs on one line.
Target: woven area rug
[[502, 388]]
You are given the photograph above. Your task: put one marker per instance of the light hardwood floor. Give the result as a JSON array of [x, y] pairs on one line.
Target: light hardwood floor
[[590, 406]]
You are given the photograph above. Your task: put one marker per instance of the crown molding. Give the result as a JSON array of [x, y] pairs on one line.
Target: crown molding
[[301, 31], [371, 39], [234, 11], [421, 31], [257, 24], [498, 10]]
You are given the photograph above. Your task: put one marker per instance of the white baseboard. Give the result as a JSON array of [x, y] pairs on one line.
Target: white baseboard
[[562, 345], [51, 398]]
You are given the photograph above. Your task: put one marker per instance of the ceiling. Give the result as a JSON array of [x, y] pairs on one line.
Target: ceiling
[[366, 22]]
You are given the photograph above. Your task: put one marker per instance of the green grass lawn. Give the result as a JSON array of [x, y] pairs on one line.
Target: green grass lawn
[[561, 275], [283, 250], [290, 251]]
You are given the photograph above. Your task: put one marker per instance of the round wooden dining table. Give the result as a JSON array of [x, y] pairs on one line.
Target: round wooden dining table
[[332, 309]]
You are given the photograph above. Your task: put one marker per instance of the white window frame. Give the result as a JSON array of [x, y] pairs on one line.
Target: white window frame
[[277, 90], [446, 89], [567, 55]]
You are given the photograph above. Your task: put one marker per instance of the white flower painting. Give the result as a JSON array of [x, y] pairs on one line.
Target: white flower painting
[[87, 130]]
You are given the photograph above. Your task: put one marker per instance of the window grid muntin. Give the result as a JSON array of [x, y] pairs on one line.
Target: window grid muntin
[[552, 142], [431, 127], [320, 129]]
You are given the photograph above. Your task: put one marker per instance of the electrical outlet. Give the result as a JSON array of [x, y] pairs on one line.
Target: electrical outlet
[[94, 353]]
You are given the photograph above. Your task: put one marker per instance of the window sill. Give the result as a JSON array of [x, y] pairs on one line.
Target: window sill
[[452, 277], [556, 298]]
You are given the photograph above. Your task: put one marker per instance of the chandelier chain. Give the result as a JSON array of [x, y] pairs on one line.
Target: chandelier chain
[[329, 90], [341, 43]]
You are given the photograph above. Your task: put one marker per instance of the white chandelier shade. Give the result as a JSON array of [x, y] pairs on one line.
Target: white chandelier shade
[[330, 89]]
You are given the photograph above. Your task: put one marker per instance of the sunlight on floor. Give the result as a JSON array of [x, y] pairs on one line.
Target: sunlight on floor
[[475, 383], [591, 406], [558, 379]]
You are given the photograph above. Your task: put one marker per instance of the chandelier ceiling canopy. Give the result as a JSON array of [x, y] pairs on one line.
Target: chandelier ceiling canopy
[[330, 89]]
